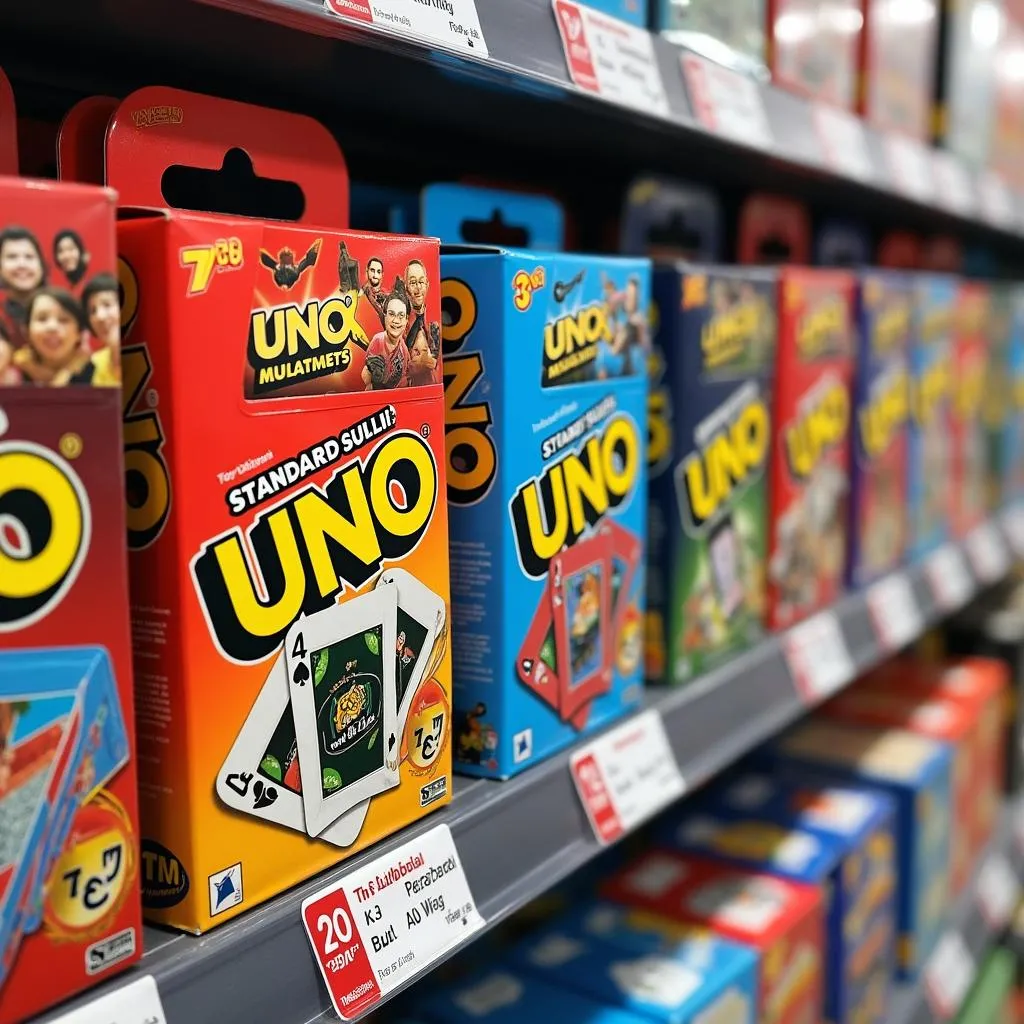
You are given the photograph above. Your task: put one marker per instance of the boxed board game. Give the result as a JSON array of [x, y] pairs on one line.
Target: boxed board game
[[730, 32], [546, 397], [810, 458], [69, 834], [857, 870], [878, 509], [946, 720], [633, 11], [781, 920], [697, 977], [287, 523], [814, 47], [710, 433], [929, 453], [916, 773], [969, 480], [773, 229], [897, 62]]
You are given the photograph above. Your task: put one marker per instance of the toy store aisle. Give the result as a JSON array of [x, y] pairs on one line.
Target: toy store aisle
[[511, 506]]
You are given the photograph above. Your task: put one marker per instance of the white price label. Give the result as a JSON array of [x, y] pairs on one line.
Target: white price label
[[726, 102], [1013, 524], [610, 57], [389, 920], [953, 183], [843, 142], [950, 581], [453, 24], [626, 775], [895, 612], [998, 891], [948, 975], [138, 1002], [818, 658], [996, 201], [1018, 828], [987, 552], [911, 167]]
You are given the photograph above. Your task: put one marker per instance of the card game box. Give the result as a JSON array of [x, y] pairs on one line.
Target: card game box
[[546, 397], [1011, 458], [670, 219], [929, 453], [810, 458], [633, 11], [969, 482], [773, 229], [700, 977], [996, 409], [287, 526], [841, 242], [710, 434], [897, 62], [881, 404], [731, 32], [916, 772], [782, 921], [69, 834], [813, 48]]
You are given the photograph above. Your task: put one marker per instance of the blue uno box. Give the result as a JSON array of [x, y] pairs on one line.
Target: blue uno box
[[878, 519], [545, 367], [505, 996], [916, 773], [840, 839], [693, 978], [929, 455]]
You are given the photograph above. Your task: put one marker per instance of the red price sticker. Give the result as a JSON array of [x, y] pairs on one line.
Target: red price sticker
[[389, 920], [626, 775], [950, 581], [843, 142], [726, 103], [911, 167], [818, 658], [998, 891], [948, 975], [894, 612], [987, 552]]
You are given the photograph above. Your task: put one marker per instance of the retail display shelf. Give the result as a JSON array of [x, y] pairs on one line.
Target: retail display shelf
[[517, 838]]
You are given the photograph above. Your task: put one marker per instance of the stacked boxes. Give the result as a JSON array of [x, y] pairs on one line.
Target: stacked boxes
[[711, 434]]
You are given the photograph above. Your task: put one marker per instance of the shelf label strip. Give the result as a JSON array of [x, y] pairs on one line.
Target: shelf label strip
[[726, 103], [987, 552], [948, 975], [894, 611], [818, 658], [138, 1002], [453, 24], [948, 577], [843, 142], [389, 920]]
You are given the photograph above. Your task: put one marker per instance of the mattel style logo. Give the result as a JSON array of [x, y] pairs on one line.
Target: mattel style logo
[[433, 791], [103, 955], [225, 889]]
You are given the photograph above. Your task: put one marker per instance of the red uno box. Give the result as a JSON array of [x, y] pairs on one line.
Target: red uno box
[[809, 478], [782, 920]]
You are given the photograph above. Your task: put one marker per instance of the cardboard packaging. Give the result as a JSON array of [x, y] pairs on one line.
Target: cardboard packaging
[[993, 996], [733, 33], [897, 61], [697, 977], [69, 839], [810, 462], [670, 219], [546, 397], [287, 523], [633, 11], [857, 869], [970, 372], [842, 242], [1007, 150], [710, 431], [878, 509], [916, 773], [773, 229], [782, 921], [929, 455]]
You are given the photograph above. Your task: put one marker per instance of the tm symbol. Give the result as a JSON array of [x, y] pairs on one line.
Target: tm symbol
[[425, 430]]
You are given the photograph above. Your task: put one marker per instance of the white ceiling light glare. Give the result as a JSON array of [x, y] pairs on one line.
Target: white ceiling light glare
[[986, 24]]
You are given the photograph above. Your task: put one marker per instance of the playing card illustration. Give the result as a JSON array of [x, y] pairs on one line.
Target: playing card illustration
[[537, 662], [726, 556]]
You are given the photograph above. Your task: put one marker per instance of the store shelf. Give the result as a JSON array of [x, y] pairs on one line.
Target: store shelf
[[518, 838], [913, 1004]]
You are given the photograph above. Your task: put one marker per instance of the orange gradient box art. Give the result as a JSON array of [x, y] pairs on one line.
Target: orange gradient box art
[[284, 433]]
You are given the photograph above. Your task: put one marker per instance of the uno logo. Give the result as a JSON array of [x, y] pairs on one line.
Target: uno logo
[[45, 528], [469, 447], [882, 418], [821, 428], [729, 460], [659, 416], [551, 511], [147, 481]]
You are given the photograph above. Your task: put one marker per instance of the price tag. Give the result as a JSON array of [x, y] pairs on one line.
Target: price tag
[[843, 142], [911, 167], [948, 975], [950, 581], [818, 658], [987, 552], [626, 775], [611, 58], [996, 201], [453, 24], [138, 1002], [894, 612], [726, 102], [389, 920], [953, 183], [998, 891], [1018, 829], [1013, 524]]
